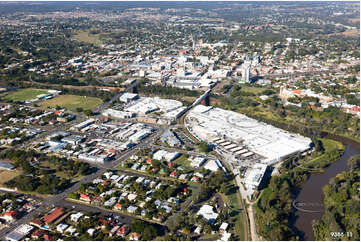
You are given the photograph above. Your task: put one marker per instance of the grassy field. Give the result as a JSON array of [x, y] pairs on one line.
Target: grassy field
[[255, 90], [331, 144], [85, 36], [71, 102], [24, 94], [192, 183], [210, 237], [265, 193], [233, 201], [348, 33], [6, 175], [182, 161]]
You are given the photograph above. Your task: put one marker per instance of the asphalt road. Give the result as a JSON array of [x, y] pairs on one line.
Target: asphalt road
[[116, 97], [122, 218]]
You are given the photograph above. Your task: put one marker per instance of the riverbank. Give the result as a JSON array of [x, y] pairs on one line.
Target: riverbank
[[310, 195], [341, 200], [275, 214]]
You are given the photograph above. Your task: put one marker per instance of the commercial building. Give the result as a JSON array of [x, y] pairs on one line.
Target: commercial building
[[127, 97], [206, 211], [171, 139], [19, 233], [254, 176], [213, 165], [84, 124], [117, 114], [147, 105], [269, 142], [54, 215], [98, 158], [165, 155], [197, 161], [167, 109], [246, 73], [73, 139]]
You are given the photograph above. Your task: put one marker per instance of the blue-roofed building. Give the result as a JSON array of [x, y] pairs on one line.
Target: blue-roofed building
[[6, 166]]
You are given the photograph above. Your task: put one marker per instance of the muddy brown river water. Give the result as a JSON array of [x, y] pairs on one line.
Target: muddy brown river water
[[309, 201]]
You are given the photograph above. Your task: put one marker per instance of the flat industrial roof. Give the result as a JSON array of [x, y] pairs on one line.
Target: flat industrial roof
[[210, 123]]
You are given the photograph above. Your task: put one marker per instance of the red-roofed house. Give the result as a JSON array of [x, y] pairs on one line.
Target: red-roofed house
[[53, 121], [123, 231], [118, 206], [85, 197], [134, 236], [195, 178], [173, 174], [354, 110], [37, 234], [182, 52], [48, 237], [37, 223], [54, 215], [113, 230], [28, 206], [97, 200], [104, 222], [9, 216], [297, 92]]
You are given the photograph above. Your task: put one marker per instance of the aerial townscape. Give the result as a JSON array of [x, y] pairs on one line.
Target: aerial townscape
[[179, 121]]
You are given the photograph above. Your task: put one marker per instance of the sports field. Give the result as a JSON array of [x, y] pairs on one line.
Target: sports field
[[24, 94], [72, 102]]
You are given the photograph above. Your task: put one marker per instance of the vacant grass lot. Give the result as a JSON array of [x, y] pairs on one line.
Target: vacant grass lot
[[71, 102], [233, 203], [6, 175], [85, 36], [331, 144], [182, 161], [251, 89], [24, 94]]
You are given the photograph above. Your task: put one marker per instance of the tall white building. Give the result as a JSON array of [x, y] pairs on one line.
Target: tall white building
[[246, 73]]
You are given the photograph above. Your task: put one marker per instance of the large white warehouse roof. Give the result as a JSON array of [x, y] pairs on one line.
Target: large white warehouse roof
[[268, 141]]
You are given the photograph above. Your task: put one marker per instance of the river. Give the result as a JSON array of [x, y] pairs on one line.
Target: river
[[309, 201]]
